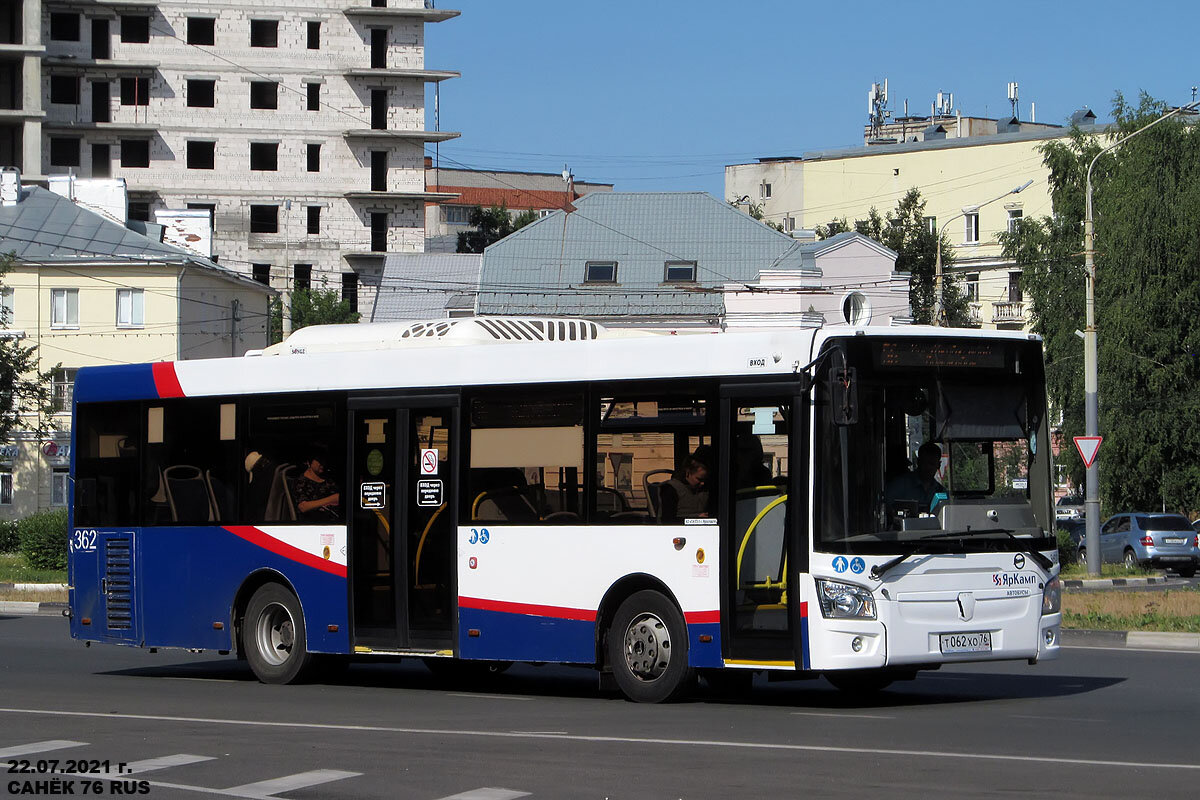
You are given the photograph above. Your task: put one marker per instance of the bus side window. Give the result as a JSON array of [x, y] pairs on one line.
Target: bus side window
[[106, 464], [526, 462], [191, 462], [280, 440]]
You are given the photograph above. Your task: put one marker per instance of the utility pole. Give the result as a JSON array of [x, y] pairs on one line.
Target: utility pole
[[233, 327], [285, 296], [1091, 403]]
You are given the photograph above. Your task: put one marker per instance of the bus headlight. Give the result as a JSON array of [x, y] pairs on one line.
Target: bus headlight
[[1052, 596], [845, 600]]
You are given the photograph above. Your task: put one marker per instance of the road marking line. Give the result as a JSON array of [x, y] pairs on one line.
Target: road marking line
[[1129, 649], [486, 696], [542, 733], [822, 714], [698, 743], [301, 780], [162, 762], [39, 747], [487, 794]]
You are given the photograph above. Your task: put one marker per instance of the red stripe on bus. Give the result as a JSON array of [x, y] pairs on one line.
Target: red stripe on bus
[[165, 380], [804, 610], [702, 617], [530, 609], [257, 537]]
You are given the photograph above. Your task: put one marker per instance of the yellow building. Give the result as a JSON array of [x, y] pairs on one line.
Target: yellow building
[[89, 291], [965, 181]]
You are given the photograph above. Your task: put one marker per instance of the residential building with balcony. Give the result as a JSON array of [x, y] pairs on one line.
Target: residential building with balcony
[[957, 163], [299, 128]]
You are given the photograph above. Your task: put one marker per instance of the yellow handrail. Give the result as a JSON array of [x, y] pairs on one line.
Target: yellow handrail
[[750, 531]]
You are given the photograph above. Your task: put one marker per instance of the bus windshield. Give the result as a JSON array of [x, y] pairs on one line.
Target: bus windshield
[[931, 445]]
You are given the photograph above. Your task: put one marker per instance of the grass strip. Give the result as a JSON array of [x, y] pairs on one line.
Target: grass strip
[[13, 569], [1174, 611]]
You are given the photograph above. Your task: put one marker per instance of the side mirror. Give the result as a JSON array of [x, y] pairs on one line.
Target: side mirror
[[843, 391]]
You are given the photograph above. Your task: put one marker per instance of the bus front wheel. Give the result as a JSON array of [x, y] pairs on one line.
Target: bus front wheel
[[647, 649], [274, 635]]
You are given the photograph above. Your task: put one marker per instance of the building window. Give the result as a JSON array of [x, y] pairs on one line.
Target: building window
[[379, 109], [600, 272], [379, 47], [201, 155], [135, 153], [973, 287], [314, 220], [764, 190], [64, 308], [131, 308], [264, 33], [264, 219], [679, 271], [303, 276], [314, 157], [789, 224], [350, 288], [930, 224], [1014, 287], [379, 229], [64, 27], [264, 156], [64, 152], [1014, 217], [135, 28], [6, 486], [379, 170], [971, 233], [314, 35], [7, 309], [201, 94], [64, 89], [135, 91], [262, 273], [264, 94], [201, 30], [314, 96], [60, 487], [139, 210], [101, 161], [62, 388], [457, 215]]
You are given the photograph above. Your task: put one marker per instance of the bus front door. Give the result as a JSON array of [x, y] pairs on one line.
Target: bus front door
[[402, 523], [761, 488]]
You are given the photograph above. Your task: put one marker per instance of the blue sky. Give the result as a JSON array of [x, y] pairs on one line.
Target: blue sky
[[661, 95]]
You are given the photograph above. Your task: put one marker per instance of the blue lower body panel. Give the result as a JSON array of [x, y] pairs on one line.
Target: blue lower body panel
[[506, 636]]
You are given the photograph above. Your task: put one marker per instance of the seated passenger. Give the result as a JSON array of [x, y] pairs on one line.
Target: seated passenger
[[685, 495], [317, 498], [921, 486]]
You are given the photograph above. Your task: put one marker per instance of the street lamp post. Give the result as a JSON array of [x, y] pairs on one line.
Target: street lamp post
[[939, 312], [1090, 362]]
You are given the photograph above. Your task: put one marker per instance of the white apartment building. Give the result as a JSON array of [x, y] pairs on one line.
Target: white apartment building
[[300, 127]]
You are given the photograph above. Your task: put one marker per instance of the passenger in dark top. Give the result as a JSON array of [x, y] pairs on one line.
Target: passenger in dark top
[[317, 499], [685, 495]]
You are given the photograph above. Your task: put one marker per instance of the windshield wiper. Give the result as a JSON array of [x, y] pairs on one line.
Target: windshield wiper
[[1041, 560], [879, 570]]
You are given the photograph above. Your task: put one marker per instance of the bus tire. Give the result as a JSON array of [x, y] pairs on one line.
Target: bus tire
[[274, 635], [647, 649], [860, 681]]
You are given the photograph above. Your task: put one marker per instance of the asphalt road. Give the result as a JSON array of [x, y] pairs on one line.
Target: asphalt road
[[1096, 723]]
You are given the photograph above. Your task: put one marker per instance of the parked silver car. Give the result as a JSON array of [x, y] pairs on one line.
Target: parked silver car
[[1166, 541]]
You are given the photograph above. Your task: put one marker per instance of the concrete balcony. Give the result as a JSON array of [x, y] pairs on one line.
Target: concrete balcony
[[385, 14], [376, 135], [975, 313], [401, 73], [1009, 313]]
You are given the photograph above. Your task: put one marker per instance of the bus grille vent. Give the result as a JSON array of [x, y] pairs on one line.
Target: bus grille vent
[[427, 330], [118, 584]]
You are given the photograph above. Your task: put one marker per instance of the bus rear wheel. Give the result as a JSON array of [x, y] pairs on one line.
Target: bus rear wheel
[[274, 635], [647, 649]]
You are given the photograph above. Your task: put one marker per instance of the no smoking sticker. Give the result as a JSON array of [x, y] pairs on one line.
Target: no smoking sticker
[[429, 462]]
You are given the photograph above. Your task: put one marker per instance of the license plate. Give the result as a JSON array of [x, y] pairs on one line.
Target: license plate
[[967, 642], [1174, 540]]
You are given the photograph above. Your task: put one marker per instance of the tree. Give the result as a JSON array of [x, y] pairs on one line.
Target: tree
[[1147, 212], [491, 225], [26, 398], [312, 307], [755, 210], [906, 231]]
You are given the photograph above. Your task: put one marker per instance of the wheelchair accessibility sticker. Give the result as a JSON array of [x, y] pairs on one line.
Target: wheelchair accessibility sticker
[[839, 564], [857, 566]]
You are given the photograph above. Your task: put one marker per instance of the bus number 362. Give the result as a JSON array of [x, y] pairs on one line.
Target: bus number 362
[[83, 541]]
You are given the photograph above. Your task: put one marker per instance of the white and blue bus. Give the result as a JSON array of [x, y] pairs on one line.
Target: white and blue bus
[[482, 491]]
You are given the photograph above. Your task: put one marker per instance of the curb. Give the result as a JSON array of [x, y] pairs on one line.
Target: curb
[[1102, 583], [1145, 640], [30, 608], [33, 587]]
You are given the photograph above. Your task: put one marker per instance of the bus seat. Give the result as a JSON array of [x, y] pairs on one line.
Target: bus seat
[[653, 488], [221, 496], [187, 494], [280, 507], [610, 501]]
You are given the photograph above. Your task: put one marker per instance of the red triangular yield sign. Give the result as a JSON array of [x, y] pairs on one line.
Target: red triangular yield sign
[[1088, 446]]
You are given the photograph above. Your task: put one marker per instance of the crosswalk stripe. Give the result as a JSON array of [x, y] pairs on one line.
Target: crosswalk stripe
[[487, 794], [39, 747], [301, 780], [162, 762]]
